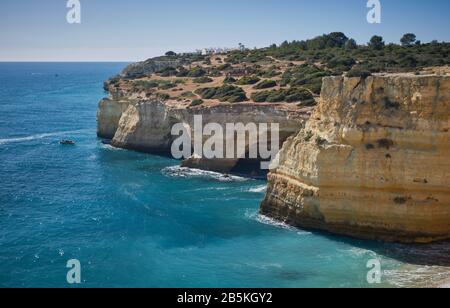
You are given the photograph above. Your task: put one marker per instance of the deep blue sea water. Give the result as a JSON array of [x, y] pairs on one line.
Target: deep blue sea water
[[135, 220]]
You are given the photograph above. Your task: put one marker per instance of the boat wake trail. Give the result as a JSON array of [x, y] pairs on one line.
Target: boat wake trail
[[39, 136]]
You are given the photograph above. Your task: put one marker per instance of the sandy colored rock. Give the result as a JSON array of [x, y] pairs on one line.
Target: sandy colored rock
[[372, 162], [146, 125]]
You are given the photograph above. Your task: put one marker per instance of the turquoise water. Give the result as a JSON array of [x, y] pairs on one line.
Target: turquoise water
[[136, 220]]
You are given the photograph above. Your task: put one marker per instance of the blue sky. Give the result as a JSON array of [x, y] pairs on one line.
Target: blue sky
[[130, 30]]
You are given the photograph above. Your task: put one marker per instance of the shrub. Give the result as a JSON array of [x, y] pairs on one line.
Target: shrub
[[298, 94], [167, 85], [248, 80], [229, 80], [196, 72], [260, 97], [196, 102], [283, 95], [276, 97], [357, 72], [226, 93], [203, 79], [265, 84], [223, 67], [168, 72], [163, 96], [187, 94], [144, 84]]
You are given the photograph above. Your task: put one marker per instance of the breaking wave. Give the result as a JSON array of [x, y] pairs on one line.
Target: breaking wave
[[184, 172], [258, 189]]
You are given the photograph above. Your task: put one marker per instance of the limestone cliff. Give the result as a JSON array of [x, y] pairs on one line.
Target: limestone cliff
[[146, 124], [373, 161]]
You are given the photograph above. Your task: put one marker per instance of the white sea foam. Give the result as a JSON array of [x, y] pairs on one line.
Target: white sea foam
[[258, 189], [275, 223], [110, 147], [183, 172], [39, 136], [418, 276]]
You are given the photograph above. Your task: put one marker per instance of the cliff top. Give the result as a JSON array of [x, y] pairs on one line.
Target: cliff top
[[287, 74]]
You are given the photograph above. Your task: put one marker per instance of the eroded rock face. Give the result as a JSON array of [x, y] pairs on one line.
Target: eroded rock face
[[146, 125], [373, 161]]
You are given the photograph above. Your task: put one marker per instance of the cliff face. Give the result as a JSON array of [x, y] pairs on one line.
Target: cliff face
[[146, 125], [372, 162]]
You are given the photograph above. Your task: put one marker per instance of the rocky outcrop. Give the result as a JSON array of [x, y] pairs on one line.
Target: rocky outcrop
[[146, 125], [372, 162]]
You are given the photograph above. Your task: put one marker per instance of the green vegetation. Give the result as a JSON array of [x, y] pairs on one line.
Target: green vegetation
[[229, 80], [196, 102], [307, 75], [196, 72], [142, 85], [376, 42], [408, 39], [283, 95], [248, 80], [357, 72], [162, 96], [167, 72], [308, 136], [226, 93], [203, 79], [265, 84], [224, 67], [188, 94]]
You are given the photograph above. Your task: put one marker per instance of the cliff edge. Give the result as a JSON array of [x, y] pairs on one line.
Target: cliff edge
[[372, 162]]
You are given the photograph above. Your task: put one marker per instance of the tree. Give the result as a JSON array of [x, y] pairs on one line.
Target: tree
[[336, 39], [376, 42], [351, 44], [170, 54], [408, 39]]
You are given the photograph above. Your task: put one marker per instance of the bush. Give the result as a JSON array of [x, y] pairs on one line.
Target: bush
[[203, 79], [297, 95], [163, 96], [196, 72], [167, 85], [283, 95], [276, 97], [188, 94], [196, 102], [229, 80], [223, 67], [357, 72], [168, 72], [226, 93], [265, 84], [248, 80]]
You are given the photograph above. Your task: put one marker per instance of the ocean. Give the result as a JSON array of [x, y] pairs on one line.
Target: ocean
[[138, 220]]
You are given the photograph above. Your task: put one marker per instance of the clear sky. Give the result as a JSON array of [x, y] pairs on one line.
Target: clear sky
[[131, 30]]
